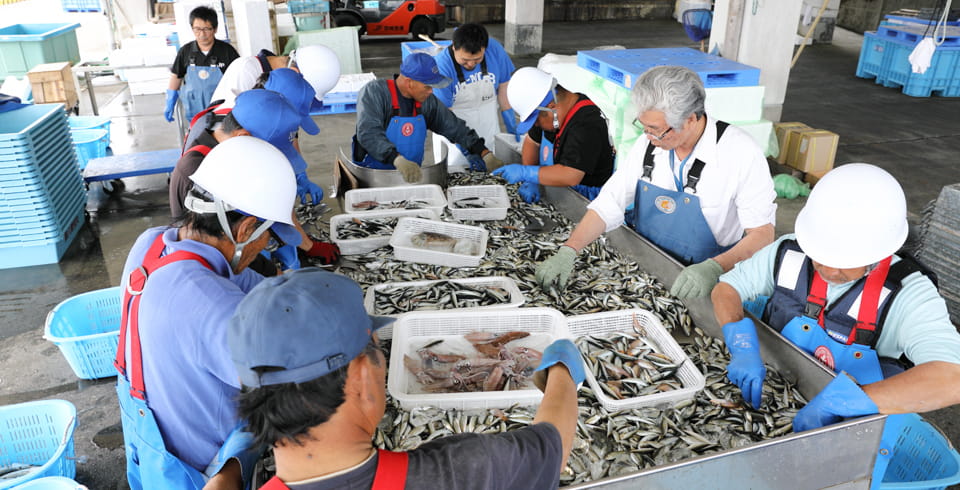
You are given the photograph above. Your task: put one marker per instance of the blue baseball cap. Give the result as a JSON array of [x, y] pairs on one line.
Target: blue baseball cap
[[527, 123], [268, 115], [298, 92], [423, 68], [302, 325]]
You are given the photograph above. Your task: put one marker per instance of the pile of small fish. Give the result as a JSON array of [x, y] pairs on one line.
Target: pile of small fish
[[475, 202], [359, 227], [439, 242], [401, 204], [628, 365], [437, 296], [493, 366]]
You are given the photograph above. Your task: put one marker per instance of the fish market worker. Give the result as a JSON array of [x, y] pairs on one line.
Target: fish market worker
[[314, 382], [839, 291], [199, 66], [177, 385], [566, 143], [700, 188], [393, 116], [481, 70]]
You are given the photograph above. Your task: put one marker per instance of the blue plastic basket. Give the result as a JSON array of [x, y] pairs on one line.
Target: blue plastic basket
[[38, 433], [90, 144], [86, 328], [921, 458], [52, 483], [90, 122]]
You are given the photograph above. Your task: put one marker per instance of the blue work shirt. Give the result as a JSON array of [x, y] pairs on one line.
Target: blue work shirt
[[190, 380], [499, 65]]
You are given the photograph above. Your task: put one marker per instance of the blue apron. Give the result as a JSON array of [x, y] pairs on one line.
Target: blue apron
[[672, 219], [149, 464], [198, 87], [407, 133]]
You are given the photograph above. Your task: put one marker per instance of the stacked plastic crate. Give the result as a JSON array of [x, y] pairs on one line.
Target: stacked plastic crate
[[884, 56], [733, 91], [42, 196]]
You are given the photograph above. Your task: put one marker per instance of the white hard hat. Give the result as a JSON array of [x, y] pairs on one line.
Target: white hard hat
[[319, 66], [855, 216], [529, 88]]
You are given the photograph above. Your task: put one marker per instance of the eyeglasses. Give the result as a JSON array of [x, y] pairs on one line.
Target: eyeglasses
[[203, 30], [639, 125]]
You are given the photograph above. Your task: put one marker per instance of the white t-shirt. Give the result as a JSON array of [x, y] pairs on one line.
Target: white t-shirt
[[735, 189], [240, 76]]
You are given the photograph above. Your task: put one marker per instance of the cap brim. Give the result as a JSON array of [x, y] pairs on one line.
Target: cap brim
[[288, 233], [438, 83], [309, 125], [526, 124]]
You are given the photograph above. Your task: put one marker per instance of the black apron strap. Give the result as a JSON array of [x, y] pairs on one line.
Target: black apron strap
[[648, 162], [456, 66]]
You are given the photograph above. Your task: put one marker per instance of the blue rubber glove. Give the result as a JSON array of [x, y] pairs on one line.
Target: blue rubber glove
[[510, 122], [840, 399], [564, 352], [306, 188], [172, 96], [516, 172], [530, 192], [287, 255], [746, 368]]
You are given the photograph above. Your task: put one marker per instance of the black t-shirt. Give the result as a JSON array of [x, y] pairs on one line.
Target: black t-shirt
[[527, 458], [180, 183], [585, 145], [221, 54]]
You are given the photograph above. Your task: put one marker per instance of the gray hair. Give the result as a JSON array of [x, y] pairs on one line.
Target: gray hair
[[674, 90]]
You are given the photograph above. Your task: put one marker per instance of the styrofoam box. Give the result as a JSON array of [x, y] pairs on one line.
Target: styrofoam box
[[432, 193], [413, 330], [496, 196], [408, 227], [763, 134], [507, 148], [516, 297], [622, 321], [358, 246], [734, 104]]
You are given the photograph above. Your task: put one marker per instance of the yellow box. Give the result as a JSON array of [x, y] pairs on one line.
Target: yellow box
[[787, 132], [52, 83], [816, 150]]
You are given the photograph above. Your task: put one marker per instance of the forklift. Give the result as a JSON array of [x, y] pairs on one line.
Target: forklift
[[391, 17]]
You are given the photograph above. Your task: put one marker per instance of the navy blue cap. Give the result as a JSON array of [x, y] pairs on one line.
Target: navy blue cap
[[527, 123], [423, 68], [298, 92], [302, 324]]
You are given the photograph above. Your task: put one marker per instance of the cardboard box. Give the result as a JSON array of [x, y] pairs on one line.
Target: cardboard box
[[786, 131], [816, 150], [52, 83], [813, 177]]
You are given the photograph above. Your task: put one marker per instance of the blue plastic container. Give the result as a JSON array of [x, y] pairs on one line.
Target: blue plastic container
[[887, 60], [921, 458], [80, 5], [89, 122], [86, 328], [38, 433], [52, 483], [90, 144], [23, 46], [623, 66]]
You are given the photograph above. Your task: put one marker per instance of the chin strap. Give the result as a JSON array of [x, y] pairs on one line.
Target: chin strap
[[225, 226]]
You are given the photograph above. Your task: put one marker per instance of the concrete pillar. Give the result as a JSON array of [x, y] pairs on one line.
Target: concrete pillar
[[523, 30], [760, 34]]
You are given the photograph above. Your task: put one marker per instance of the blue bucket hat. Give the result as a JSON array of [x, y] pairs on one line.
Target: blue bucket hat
[[298, 92], [423, 68], [302, 324]]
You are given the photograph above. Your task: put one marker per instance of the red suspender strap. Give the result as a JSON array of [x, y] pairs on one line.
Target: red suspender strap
[[573, 110], [391, 470], [129, 317], [201, 149], [274, 484], [817, 297], [870, 299], [395, 100]]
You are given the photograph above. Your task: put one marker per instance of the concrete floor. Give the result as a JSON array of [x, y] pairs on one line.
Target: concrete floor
[[915, 139]]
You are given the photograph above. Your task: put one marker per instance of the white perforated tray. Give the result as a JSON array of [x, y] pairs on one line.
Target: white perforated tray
[[358, 246], [431, 193], [493, 195], [408, 227]]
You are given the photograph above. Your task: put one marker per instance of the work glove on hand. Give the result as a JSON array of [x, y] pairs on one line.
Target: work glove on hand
[[510, 122], [840, 399], [746, 368], [287, 255], [564, 352], [172, 96], [492, 162], [516, 172], [557, 268], [306, 188], [697, 280], [408, 169], [326, 252], [530, 192]]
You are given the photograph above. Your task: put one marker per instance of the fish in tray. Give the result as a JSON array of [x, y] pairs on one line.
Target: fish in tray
[[437, 296], [475, 202], [357, 228], [440, 242], [401, 204]]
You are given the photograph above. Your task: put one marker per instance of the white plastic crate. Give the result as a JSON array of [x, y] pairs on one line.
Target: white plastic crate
[[431, 193], [515, 296], [407, 228], [622, 321], [413, 330], [494, 195], [358, 246]]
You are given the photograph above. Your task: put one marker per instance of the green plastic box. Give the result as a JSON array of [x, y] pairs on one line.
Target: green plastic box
[[23, 46]]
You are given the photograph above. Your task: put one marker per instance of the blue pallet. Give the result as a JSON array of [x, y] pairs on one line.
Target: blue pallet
[[319, 109], [623, 66], [337, 98], [914, 33], [80, 5], [58, 211], [886, 60], [901, 19]]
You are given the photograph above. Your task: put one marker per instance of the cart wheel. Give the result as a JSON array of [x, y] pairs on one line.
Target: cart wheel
[[113, 187], [422, 25]]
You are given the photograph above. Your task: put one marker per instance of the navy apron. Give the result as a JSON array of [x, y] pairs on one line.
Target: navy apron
[[588, 191], [407, 133], [672, 219], [199, 85]]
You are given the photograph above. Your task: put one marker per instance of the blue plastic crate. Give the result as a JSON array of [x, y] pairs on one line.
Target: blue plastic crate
[[38, 433], [887, 60], [319, 108], [86, 328], [52, 483], [921, 456], [913, 33], [623, 66], [81, 5], [406, 48], [90, 144], [23, 46]]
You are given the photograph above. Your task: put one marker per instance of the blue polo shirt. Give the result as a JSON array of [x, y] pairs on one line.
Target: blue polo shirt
[[190, 380], [499, 66]]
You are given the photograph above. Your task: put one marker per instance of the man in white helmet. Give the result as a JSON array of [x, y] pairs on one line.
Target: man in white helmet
[[566, 142], [177, 385], [698, 188], [838, 290]]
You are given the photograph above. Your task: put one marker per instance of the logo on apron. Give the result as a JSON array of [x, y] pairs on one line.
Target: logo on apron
[[824, 355], [546, 154], [406, 129], [203, 74], [665, 204]]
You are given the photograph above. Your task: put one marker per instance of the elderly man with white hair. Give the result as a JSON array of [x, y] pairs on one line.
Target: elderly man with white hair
[[698, 188]]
